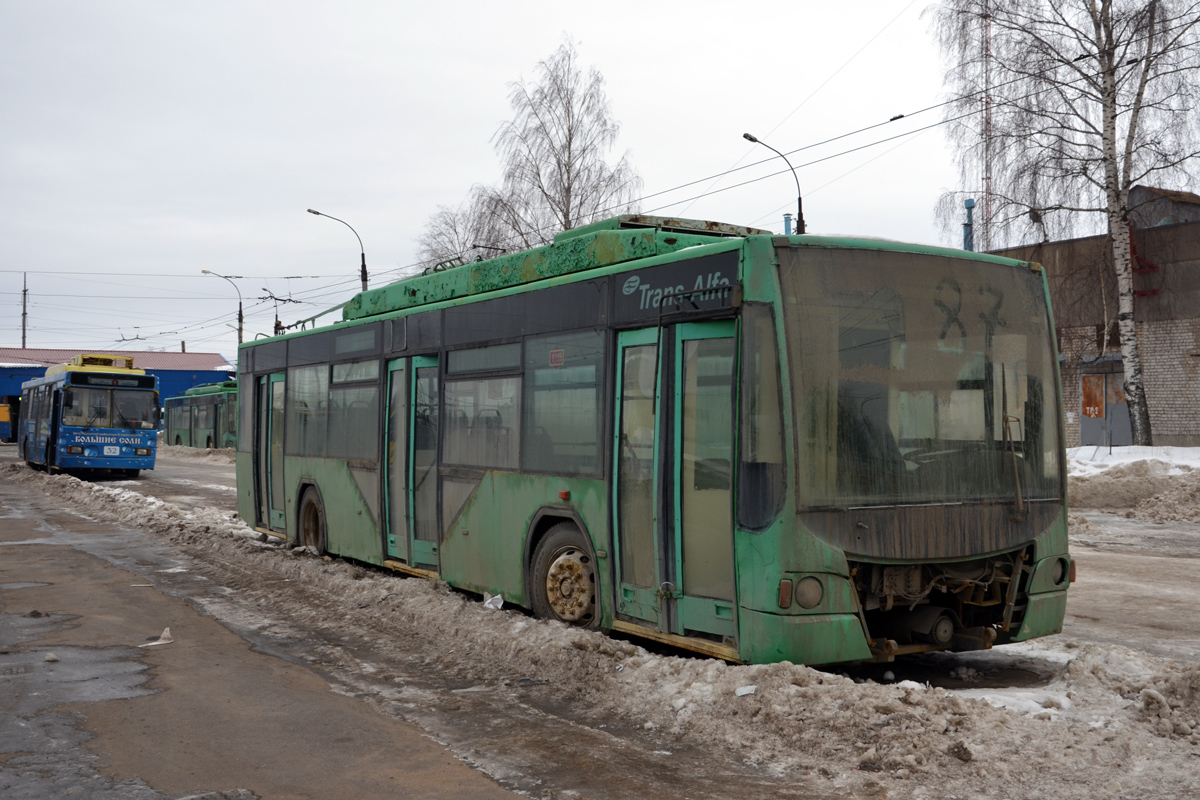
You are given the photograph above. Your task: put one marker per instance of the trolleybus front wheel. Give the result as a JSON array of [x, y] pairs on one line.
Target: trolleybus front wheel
[[312, 521], [564, 577]]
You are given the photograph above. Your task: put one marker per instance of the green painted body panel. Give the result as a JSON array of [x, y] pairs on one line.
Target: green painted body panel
[[1044, 616], [758, 274], [779, 552], [1047, 549], [490, 556], [244, 471], [824, 639], [350, 528]]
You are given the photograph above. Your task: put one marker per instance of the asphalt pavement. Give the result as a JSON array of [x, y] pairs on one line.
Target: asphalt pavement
[[90, 708]]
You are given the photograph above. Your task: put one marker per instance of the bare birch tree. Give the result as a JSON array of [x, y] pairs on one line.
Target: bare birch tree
[[556, 175], [1076, 102]]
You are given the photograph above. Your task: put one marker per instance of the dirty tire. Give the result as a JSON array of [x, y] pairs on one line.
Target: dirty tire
[[132, 474], [563, 578], [312, 521]]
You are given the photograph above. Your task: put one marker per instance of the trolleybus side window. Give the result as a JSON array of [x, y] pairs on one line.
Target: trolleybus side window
[[307, 410], [482, 414], [761, 474], [564, 375], [354, 411]]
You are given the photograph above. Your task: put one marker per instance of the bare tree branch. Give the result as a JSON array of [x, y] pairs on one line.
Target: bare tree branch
[[555, 172], [1086, 98]]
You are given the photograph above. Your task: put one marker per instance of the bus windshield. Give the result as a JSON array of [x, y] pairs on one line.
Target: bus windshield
[[109, 408], [918, 378]]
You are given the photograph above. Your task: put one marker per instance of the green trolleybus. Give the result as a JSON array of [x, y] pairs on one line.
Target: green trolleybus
[[203, 416], [758, 447]]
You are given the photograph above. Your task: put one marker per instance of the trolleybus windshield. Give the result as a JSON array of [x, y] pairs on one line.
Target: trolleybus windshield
[[919, 378], [109, 408]]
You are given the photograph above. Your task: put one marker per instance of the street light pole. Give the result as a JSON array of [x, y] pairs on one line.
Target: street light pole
[[239, 291], [362, 252], [799, 204]]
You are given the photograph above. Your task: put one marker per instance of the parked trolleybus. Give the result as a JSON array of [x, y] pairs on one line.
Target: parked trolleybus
[[203, 416], [95, 412], [757, 447]]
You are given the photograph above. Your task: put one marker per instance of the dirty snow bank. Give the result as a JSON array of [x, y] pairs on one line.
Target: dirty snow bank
[[1158, 484], [211, 456], [1111, 722]]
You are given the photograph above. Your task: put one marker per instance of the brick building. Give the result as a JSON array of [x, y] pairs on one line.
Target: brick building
[[1166, 246]]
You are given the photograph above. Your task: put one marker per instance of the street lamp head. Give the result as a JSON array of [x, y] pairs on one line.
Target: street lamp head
[[314, 211], [750, 137], [206, 272]]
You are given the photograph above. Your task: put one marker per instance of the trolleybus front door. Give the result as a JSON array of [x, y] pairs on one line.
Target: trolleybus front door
[[674, 457]]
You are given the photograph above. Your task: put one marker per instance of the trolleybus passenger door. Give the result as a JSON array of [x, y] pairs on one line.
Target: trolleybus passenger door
[[702, 439], [395, 461], [673, 487], [423, 467], [270, 451], [636, 485]]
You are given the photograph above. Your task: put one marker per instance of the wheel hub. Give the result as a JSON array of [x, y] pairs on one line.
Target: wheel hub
[[569, 587]]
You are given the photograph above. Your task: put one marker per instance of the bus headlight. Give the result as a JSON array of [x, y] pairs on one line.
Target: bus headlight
[[141, 451], [809, 592], [1060, 571]]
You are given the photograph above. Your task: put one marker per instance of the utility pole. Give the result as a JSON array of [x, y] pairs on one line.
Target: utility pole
[[24, 305]]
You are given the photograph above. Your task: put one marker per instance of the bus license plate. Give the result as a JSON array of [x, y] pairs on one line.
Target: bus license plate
[[112, 450]]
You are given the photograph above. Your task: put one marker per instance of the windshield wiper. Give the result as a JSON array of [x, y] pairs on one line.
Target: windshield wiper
[[1019, 513]]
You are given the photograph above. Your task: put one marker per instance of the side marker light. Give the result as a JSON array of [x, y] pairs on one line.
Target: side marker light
[[785, 593]]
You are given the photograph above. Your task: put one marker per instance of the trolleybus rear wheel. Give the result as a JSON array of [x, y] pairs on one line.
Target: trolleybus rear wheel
[[132, 474], [564, 577], [312, 521]]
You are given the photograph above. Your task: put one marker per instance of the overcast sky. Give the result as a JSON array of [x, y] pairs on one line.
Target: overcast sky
[[142, 142]]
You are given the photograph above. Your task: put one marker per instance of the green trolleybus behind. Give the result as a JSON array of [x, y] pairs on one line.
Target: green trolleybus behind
[[762, 448], [203, 416]]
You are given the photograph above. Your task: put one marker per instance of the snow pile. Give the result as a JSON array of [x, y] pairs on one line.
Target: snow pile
[[211, 456], [1157, 484], [1093, 460], [130, 508]]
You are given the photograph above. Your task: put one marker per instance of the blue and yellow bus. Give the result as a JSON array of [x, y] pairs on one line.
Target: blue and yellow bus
[[96, 412]]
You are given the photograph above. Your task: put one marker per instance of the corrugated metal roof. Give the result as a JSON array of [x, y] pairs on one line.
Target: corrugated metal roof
[[42, 357]]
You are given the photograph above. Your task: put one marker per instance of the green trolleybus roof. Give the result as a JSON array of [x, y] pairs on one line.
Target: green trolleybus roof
[[607, 243], [610, 242], [213, 388]]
